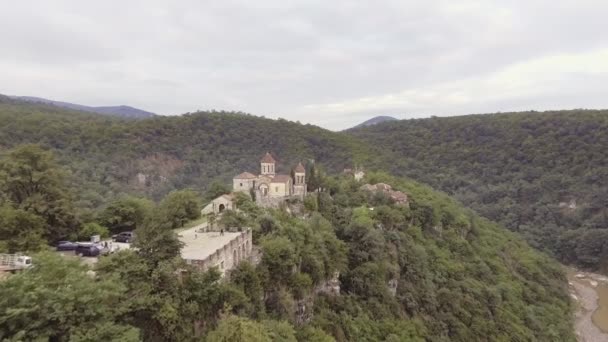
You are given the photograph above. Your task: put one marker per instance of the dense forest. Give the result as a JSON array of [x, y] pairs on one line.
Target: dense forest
[[67, 174], [543, 175], [105, 154], [427, 271]]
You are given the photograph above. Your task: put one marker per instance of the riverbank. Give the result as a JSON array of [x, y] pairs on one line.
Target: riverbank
[[586, 289]]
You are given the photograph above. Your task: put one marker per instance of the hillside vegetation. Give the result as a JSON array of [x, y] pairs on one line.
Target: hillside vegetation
[[105, 155], [544, 175], [430, 271]]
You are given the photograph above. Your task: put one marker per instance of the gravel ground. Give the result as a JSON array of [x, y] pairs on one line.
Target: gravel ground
[[584, 294]]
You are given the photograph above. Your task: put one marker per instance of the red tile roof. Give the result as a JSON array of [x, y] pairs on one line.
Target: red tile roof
[[245, 175], [300, 168], [268, 158], [281, 179]]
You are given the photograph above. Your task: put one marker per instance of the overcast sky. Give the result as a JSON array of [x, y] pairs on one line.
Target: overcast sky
[[329, 63]]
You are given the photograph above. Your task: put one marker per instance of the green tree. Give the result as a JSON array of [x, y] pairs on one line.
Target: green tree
[[28, 171], [92, 228], [20, 230], [312, 334], [278, 257], [180, 207], [126, 213], [248, 280], [233, 219], [59, 301], [238, 329], [31, 180], [215, 190], [156, 241]]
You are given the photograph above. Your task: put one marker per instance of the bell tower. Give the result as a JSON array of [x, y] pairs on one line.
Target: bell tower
[[267, 165], [299, 180]]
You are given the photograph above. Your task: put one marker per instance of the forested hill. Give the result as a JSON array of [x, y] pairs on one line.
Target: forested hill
[[191, 150], [427, 271], [542, 174], [120, 111]]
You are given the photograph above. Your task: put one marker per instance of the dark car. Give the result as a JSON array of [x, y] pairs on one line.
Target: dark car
[[66, 246], [87, 249], [124, 237]]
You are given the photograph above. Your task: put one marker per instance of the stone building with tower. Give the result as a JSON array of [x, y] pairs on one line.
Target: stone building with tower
[[268, 184]]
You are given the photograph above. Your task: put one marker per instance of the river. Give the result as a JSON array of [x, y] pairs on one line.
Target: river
[[590, 294]]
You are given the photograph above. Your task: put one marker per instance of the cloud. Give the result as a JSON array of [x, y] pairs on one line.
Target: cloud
[[327, 63], [530, 79]]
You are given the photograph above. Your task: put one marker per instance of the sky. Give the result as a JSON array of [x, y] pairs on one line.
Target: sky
[[329, 63]]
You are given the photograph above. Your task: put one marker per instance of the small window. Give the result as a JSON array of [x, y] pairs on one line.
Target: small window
[[241, 185], [276, 189], [222, 265]]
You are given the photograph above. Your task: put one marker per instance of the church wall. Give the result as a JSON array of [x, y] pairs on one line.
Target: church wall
[[279, 189], [299, 190], [228, 256], [243, 185]]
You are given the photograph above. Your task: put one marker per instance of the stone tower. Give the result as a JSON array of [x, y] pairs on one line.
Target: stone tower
[[299, 180], [267, 165]]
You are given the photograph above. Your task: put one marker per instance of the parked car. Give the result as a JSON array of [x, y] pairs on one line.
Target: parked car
[[87, 249], [124, 237], [66, 246]]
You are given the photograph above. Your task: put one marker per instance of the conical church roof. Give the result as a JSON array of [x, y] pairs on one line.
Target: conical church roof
[[268, 158], [300, 168]]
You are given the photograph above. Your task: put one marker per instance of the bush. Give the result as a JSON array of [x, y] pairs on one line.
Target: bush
[[92, 228]]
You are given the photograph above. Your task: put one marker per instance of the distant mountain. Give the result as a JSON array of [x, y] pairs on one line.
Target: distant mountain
[[376, 120], [122, 111]]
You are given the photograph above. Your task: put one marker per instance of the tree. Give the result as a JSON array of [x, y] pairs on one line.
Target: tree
[[126, 213], [91, 229], [310, 203], [233, 219], [27, 171], [21, 231], [312, 334], [216, 189], [248, 280], [180, 207], [237, 329], [59, 301], [155, 241], [278, 257], [31, 180]]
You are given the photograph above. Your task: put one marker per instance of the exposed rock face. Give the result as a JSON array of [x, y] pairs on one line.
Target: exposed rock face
[[397, 196], [330, 286], [304, 311], [392, 286], [153, 169]]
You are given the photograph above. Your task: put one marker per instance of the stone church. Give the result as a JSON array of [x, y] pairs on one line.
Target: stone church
[[269, 185]]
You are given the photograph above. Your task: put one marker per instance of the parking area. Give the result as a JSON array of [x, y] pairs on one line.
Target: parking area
[[107, 245]]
